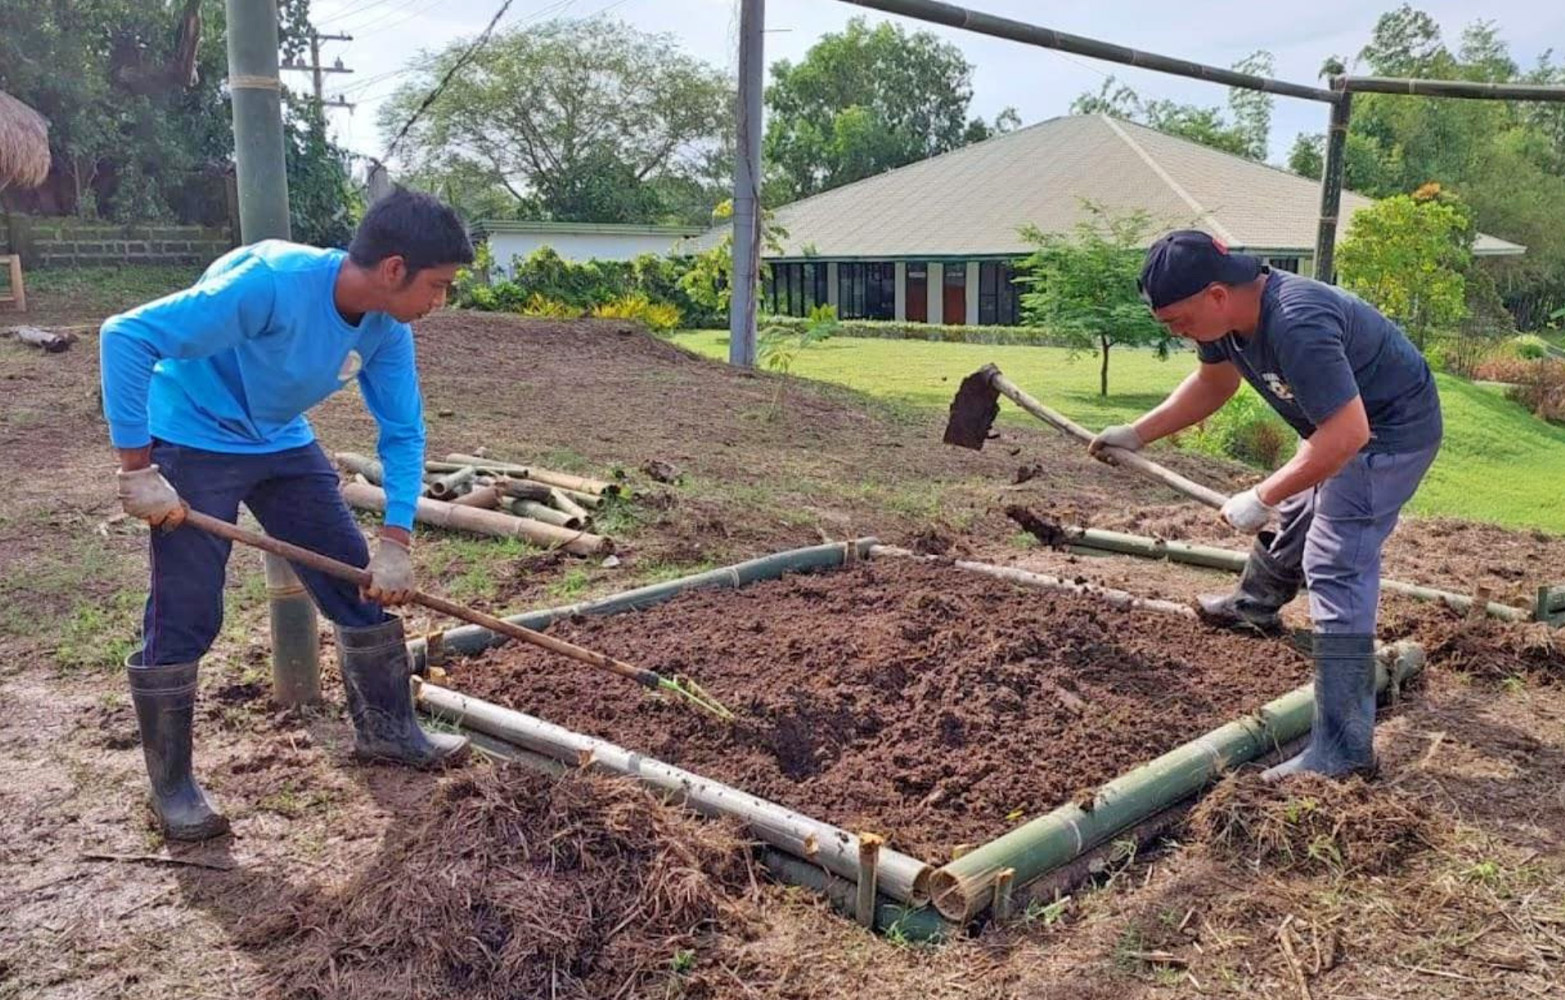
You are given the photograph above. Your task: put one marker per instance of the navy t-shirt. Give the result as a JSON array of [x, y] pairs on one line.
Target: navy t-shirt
[[1317, 347]]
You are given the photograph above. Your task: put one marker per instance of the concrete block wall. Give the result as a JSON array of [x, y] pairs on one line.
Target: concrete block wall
[[65, 242]]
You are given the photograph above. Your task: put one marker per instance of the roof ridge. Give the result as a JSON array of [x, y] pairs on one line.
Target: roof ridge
[[1218, 229]]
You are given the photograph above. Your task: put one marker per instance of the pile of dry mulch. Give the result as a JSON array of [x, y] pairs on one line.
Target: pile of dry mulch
[[1310, 824], [515, 884]]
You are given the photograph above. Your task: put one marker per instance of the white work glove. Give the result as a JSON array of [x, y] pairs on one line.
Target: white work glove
[[391, 574], [1119, 436], [1247, 512], [144, 493]]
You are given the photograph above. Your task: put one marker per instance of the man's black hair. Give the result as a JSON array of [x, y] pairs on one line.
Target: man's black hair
[[418, 227]]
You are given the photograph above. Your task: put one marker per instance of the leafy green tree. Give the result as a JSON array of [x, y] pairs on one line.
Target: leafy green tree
[[139, 127], [710, 280], [1247, 135], [1082, 285], [1407, 255], [579, 120], [864, 101]]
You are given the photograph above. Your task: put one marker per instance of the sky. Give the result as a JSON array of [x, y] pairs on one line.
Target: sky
[[1038, 83]]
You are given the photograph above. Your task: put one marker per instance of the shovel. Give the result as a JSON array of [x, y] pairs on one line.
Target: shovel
[[977, 403], [683, 688]]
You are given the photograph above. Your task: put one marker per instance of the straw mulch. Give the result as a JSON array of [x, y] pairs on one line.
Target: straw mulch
[[514, 884], [1310, 824]]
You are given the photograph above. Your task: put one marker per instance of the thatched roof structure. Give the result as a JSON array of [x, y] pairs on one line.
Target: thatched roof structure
[[24, 144]]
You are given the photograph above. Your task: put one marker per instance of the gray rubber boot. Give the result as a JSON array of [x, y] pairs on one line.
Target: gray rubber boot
[[375, 671], [165, 700], [1254, 605], [1342, 739]]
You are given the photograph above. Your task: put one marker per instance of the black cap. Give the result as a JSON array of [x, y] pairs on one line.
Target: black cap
[[1185, 261]]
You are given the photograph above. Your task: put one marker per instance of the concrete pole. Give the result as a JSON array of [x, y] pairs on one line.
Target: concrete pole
[[1331, 184], [263, 214], [747, 187]]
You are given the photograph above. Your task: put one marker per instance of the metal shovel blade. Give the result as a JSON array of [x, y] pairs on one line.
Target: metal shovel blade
[[973, 410]]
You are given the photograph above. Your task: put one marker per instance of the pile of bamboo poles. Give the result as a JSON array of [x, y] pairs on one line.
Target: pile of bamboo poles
[[491, 497]]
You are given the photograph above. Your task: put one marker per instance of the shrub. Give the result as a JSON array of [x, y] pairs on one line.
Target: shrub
[[659, 317], [884, 329], [1245, 429], [546, 308], [1538, 385], [1530, 347]]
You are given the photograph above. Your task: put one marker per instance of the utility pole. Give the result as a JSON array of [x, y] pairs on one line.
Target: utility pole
[[318, 71], [747, 187], [263, 214]]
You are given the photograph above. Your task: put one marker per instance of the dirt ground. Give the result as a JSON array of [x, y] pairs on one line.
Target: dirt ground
[[916, 701], [93, 903]]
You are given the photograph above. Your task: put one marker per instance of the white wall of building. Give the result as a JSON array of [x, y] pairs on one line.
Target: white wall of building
[[580, 246]]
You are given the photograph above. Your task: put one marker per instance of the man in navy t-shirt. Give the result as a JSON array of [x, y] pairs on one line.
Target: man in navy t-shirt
[[1364, 404]]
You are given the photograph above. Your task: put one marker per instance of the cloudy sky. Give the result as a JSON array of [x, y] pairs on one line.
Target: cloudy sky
[[1039, 83]]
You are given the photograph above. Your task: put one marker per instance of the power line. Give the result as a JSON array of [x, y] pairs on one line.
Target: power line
[[354, 10], [462, 61]]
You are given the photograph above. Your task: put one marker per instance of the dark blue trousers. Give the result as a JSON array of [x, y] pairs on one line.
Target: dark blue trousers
[[294, 494]]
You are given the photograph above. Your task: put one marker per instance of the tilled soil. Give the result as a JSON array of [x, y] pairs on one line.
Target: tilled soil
[[932, 706]]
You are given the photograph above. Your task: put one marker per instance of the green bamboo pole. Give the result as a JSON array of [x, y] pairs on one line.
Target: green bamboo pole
[[900, 876], [542, 512], [296, 671], [1227, 559], [963, 888], [469, 639]]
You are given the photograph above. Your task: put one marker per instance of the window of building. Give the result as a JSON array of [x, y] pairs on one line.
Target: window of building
[[867, 290], [997, 299], [1289, 264], [793, 289]]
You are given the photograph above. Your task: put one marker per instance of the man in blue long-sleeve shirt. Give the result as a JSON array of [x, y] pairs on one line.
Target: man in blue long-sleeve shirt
[[205, 393]]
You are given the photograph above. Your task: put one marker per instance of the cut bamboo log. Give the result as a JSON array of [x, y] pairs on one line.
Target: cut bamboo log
[[1038, 581], [522, 470], [50, 341], [486, 522], [451, 484], [524, 489], [901, 877], [539, 512], [469, 639], [1227, 559], [560, 501], [589, 500], [362, 465], [965, 886], [487, 498]]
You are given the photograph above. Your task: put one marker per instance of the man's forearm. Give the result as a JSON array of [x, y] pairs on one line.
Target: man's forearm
[[1194, 401]]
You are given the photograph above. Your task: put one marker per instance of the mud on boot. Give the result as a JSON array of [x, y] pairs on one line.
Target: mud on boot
[[1342, 738], [165, 700], [375, 672], [1255, 604]]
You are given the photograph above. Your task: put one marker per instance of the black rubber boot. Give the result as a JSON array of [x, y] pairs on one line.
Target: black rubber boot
[[1342, 739], [375, 670], [1264, 587], [165, 700]]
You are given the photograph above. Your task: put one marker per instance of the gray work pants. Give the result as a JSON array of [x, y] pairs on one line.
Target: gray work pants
[[1335, 531]]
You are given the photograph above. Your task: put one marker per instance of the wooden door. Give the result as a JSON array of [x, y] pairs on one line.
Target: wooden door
[[955, 297], [917, 292]]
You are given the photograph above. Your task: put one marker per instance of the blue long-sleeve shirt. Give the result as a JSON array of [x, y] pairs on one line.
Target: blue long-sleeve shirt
[[232, 363]]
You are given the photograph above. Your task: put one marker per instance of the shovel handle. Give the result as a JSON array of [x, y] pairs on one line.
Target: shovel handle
[[1130, 459], [341, 570]]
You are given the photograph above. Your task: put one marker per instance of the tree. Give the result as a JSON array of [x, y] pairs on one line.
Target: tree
[[139, 126], [582, 120], [710, 280], [864, 101], [1247, 135], [1083, 285], [1407, 256]]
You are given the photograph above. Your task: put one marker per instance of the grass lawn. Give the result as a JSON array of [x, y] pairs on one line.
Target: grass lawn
[[1499, 463], [65, 295]]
